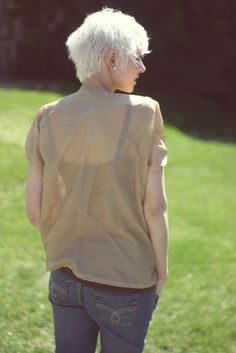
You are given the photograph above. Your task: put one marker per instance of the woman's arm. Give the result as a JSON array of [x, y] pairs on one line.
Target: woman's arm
[[34, 188], [155, 211]]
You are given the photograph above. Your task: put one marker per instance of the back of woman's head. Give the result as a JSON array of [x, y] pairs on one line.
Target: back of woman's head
[[102, 31]]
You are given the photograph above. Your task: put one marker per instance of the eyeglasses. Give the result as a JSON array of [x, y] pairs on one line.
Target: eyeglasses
[[137, 60]]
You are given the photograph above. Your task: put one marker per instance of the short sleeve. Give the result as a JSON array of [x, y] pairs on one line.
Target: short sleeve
[[32, 143], [158, 155]]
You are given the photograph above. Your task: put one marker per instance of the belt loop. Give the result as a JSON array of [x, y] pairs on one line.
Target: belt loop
[[79, 293]]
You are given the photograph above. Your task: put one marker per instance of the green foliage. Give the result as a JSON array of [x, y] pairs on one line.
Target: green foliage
[[197, 306]]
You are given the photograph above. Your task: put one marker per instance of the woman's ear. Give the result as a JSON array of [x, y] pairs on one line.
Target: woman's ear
[[110, 59]]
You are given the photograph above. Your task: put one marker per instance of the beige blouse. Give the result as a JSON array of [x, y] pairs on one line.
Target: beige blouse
[[94, 151]]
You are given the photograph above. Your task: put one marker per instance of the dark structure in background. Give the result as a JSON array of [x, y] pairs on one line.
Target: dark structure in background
[[192, 41]]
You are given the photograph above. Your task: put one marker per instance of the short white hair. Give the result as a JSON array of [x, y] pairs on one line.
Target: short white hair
[[103, 31]]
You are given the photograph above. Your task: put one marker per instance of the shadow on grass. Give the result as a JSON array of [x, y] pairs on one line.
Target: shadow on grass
[[199, 115]]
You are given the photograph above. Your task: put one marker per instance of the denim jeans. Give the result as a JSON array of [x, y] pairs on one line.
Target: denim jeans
[[81, 312]]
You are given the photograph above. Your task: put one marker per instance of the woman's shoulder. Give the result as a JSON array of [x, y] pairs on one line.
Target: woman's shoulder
[[138, 100], [57, 105]]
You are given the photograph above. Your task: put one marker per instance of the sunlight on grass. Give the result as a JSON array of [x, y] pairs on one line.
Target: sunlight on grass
[[197, 306]]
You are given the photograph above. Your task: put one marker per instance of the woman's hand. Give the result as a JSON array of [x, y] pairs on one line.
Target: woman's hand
[[160, 284]]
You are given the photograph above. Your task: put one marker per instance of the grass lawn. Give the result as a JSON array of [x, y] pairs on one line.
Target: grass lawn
[[196, 312]]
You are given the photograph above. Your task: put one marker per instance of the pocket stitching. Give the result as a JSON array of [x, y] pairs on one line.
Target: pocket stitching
[[104, 309], [58, 293], [121, 310]]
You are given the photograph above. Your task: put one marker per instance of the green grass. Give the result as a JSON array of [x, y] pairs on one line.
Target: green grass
[[196, 313]]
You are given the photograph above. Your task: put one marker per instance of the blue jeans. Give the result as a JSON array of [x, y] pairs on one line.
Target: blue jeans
[[81, 312]]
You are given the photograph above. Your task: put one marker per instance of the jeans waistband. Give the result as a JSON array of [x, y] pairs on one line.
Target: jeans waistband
[[106, 287]]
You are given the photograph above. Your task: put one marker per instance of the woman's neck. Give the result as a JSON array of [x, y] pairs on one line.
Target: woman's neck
[[97, 84]]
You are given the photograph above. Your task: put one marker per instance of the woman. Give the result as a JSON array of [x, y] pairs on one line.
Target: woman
[[95, 191]]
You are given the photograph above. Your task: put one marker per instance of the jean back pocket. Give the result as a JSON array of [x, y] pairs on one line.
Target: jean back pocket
[[117, 310], [58, 288]]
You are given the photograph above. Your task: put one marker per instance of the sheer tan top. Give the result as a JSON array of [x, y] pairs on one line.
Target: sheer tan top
[[94, 151]]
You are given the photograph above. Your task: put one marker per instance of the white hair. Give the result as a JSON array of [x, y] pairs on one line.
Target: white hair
[[102, 31]]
